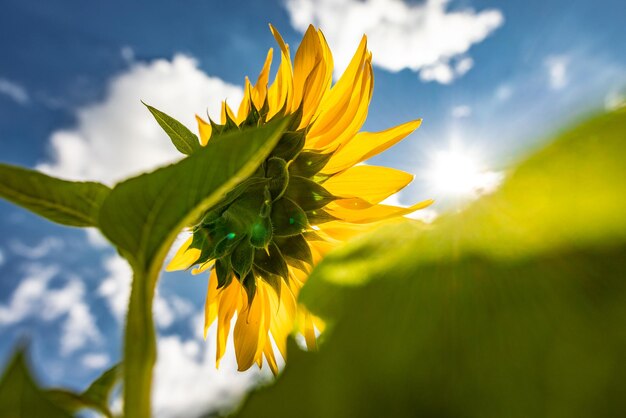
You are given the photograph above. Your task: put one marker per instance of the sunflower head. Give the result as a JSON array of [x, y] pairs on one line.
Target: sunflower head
[[308, 196]]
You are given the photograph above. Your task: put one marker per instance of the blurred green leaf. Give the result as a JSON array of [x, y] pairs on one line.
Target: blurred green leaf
[[96, 396], [183, 139], [20, 397], [513, 308], [143, 215], [65, 202]]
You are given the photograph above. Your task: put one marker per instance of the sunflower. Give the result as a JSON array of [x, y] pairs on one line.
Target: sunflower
[[308, 196]]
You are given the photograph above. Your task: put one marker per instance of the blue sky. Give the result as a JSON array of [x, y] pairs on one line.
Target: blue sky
[[495, 77]]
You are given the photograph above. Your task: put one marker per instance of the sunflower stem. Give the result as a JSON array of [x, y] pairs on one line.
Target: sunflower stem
[[139, 346]]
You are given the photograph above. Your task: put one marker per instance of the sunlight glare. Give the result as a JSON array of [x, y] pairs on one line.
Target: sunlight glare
[[459, 173]]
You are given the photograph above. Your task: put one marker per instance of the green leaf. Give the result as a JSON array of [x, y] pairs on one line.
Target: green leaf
[[143, 215], [183, 139], [65, 202], [21, 397], [96, 396], [514, 307]]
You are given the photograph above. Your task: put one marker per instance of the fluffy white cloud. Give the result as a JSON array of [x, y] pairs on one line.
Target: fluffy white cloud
[[425, 37], [115, 288], [14, 91], [187, 382], [25, 299], [118, 137], [35, 298], [557, 69]]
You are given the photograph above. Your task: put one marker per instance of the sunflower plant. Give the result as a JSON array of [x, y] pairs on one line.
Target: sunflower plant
[[263, 195]]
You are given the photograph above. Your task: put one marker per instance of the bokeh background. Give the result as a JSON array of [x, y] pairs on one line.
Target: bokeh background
[[491, 80]]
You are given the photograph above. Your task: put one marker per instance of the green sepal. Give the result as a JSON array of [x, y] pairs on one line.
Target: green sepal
[[241, 258], [253, 117], [224, 272], [273, 280], [308, 194], [273, 262], [296, 118], [261, 232], [215, 212], [230, 123], [226, 244], [249, 284], [319, 216], [278, 174], [289, 145], [183, 139], [309, 163], [288, 218], [294, 249]]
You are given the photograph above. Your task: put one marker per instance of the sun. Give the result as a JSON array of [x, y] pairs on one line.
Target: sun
[[459, 172]]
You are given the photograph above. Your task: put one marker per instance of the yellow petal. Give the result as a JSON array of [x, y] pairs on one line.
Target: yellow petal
[[245, 105], [248, 331], [204, 129], [281, 91], [367, 144], [373, 213], [259, 91], [230, 301], [372, 183], [351, 117], [282, 318], [203, 267], [227, 110], [334, 104], [269, 355], [184, 257], [312, 74], [211, 304]]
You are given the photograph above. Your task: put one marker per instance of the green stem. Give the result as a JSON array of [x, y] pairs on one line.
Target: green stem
[[139, 347]]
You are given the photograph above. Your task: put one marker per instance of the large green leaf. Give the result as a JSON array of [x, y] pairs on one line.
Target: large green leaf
[[143, 215], [96, 396], [20, 397], [513, 308], [183, 139], [65, 202]]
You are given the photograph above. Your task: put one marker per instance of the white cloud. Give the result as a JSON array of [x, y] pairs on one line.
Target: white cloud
[[115, 288], [1, 257], [187, 382], [34, 298], [425, 37], [118, 137], [557, 69], [46, 246], [462, 111], [14, 91], [95, 238], [28, 294], [95, 360]]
